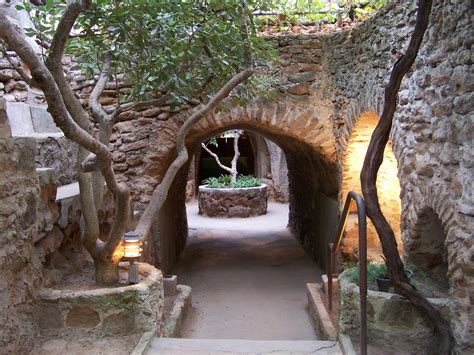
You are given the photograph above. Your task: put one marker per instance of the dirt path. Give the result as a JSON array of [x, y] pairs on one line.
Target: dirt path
[[247, 284]]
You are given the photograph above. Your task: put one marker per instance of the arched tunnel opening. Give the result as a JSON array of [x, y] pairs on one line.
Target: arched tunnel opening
[[313, 181], [206, 165]]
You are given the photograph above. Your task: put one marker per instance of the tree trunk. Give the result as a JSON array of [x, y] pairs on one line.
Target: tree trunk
[[106, 272], [442, 339], [235, 159]]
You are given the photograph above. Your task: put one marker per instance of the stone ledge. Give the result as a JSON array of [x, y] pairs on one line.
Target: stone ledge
[[181, 307], [144, 343], [318, 314]]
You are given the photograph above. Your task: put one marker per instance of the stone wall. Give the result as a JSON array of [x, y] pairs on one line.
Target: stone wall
[[279, 171], [104, 312], [392, 322], [231, 202], [20, 264], [34, 227], [54, 150], [40, 239], [431, 134]]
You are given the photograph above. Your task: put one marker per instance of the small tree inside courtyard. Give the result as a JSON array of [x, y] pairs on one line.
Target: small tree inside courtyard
[[178, 51], [232, 170]]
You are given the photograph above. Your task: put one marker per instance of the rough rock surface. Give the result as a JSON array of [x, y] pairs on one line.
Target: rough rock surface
[[40, 238], [241, 202], [102, 312], [20, 263], [391, 320], [58, 153]]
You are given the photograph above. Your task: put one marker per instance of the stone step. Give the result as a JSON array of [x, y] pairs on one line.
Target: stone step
[[175, 346]]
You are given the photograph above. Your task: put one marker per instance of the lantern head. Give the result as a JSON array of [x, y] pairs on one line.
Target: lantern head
[[131, 245]]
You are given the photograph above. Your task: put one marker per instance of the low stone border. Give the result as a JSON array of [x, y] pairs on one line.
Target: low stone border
[[391, 319], [233, 202], [144, 343], [346, 345], [181, 307], [112, 311], [318, 314], [173, 325]]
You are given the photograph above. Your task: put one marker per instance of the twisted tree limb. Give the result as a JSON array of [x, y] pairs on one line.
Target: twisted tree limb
[[74, 121], [233, 165], [216, 158], [442, 339], [14, 38]]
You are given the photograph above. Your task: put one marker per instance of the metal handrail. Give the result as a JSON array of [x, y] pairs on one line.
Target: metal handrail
[[332, 251]]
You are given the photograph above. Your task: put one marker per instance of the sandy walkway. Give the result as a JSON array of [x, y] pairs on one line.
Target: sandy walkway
[[249, 283]]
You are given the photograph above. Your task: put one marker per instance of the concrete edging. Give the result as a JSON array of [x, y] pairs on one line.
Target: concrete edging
[[144, 343], [318, 314], [182, 304], [345, 343]]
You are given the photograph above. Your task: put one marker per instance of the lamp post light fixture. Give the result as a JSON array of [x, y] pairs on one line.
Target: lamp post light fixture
[[132, 251]]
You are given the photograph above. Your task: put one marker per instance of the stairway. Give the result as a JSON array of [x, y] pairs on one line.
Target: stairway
[[175, 346]]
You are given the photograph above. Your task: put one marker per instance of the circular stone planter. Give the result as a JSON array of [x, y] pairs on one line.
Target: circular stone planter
[[102, 312], [232, 202]]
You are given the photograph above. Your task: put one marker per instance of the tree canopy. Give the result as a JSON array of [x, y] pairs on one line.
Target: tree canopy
[[183, 48]]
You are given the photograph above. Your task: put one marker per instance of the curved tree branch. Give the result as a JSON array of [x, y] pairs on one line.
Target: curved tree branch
[[443, 340], [235, 159], [13, 37], [54, 61], [103, 119], [97, 111], [122, 217], [216, 158], [161, 191]]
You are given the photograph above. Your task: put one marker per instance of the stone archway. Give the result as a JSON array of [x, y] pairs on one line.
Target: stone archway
[[206, 165], [313, 173], [388, 187]]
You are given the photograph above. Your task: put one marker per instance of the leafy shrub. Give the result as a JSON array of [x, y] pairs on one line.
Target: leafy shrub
[[224, 181], [374, 271], [218, 182], [247, 181]]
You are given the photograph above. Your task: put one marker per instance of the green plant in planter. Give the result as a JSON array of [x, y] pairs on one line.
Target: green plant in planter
[[374, 271], [247, 181], [376, 274], [225, 181]]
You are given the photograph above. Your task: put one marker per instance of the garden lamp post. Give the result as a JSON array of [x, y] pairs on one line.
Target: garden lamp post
[[132, 251]]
